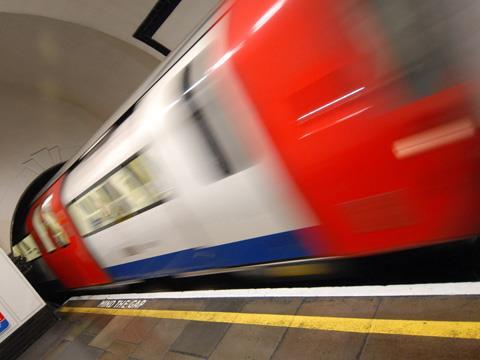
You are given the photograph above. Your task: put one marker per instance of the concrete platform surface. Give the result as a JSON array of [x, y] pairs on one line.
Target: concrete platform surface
[[390, 327]]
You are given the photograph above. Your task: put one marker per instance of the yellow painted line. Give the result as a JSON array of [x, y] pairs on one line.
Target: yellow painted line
[[445, 329]]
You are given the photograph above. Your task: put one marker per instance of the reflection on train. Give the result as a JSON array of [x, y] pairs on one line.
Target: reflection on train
[[282, 130]]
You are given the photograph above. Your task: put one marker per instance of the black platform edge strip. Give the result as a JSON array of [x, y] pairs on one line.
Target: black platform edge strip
[[156, 17], [22, 338]]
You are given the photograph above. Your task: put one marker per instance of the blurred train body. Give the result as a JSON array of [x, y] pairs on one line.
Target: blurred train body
[[289, 130]]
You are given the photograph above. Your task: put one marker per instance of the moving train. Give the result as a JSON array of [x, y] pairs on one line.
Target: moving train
[[281, 130]]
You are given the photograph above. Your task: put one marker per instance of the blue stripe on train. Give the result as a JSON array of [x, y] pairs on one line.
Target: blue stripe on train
[[276, 247]]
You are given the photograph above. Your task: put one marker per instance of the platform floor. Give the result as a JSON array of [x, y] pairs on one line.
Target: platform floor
[[418, 327]]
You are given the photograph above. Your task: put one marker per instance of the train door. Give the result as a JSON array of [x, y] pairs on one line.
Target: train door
[[60, 244]]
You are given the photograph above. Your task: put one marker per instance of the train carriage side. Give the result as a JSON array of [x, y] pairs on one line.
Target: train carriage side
[[285, 132]]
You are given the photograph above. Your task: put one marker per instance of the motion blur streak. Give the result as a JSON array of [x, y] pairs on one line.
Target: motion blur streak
[[331, 103], [337, 121], [268, 15], [433, 138]]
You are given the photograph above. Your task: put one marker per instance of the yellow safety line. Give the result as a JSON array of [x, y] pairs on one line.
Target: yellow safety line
[[446, 329]]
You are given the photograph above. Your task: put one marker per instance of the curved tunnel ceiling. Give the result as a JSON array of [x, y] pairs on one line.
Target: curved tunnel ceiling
[[74, 63], [142, 23], [118, 18]]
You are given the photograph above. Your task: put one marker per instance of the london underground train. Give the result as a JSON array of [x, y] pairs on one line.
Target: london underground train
[[281, 130]]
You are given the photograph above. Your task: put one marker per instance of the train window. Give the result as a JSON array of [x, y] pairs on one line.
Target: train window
[[27, 248], [42, 232], [127, 191], [52, 224]]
